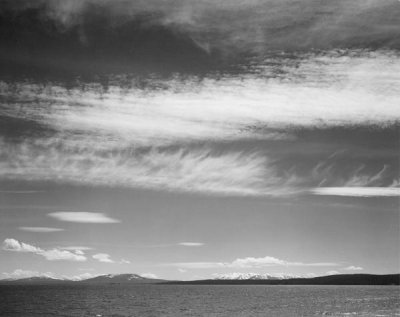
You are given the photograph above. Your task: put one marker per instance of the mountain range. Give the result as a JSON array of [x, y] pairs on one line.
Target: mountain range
[[232, 279], [101, 279]]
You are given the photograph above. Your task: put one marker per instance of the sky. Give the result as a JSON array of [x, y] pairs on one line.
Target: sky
[[159, 139]]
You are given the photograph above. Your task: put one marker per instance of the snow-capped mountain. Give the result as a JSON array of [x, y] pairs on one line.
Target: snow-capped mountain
[[121, 278], [32, 280], [101, 279], [254, 276]]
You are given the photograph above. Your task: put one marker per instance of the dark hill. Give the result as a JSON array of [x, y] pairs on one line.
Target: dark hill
[[36, 280], [342, 279], [121, 279]]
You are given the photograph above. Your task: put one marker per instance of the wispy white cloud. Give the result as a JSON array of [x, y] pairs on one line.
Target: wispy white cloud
[[75, 248], [333, 272], [358, 191], [19, 273], [21, 192], [103, 257], [249, 262], [149, 275], [51, 254], [40, 229], [199, 170], [153, 138], [358, 181], [193, 170], [191, 244], [351, 91], [353, 268], [80, 277], [82, 217], [106, 258]]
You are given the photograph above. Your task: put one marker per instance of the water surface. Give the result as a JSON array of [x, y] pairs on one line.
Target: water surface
[[199, 300]]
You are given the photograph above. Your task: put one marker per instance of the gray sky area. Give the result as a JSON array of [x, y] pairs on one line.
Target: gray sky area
[[268, 144]]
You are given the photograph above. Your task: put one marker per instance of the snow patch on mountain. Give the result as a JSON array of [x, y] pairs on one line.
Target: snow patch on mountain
[[257, 276]]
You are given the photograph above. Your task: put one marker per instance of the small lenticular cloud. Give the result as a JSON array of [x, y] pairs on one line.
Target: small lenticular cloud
[[358, 191], [191, 244], [40, 229], [82, 217]]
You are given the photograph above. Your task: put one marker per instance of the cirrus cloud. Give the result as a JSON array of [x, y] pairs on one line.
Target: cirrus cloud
[[163, 138], [357, 191], [40, 229], [82, 217]]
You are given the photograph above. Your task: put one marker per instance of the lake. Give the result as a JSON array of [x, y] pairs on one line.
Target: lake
[[198, 300]]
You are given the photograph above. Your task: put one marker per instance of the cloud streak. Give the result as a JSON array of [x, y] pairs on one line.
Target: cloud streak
[[191, 244], [82, 217], [50, 255], [40, 229], [249, 262], [353, 268], [355, 89], [162, 138], [357, 191]]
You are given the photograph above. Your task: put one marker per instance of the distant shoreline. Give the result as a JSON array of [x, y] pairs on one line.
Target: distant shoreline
[[340, 279]]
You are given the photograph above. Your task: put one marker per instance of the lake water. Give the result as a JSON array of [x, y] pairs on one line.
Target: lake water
[[203, 300]]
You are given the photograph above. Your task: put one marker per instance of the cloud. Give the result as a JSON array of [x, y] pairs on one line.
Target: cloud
[[154, 142], [354, 88], [191, 244], [358, 191], [332, 273], [103, 257], [15, 245], [353, 268], [252, 26], [249, 262], [40, 229], [21, 192], [357, 182], [80, 277], [19, 273], [149, 275], [51, 254], [198, 170], [180, 270], [82, 217], [75, 248], [106, 258]]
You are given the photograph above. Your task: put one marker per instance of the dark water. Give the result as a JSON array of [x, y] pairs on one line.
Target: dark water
[[188, 300]]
